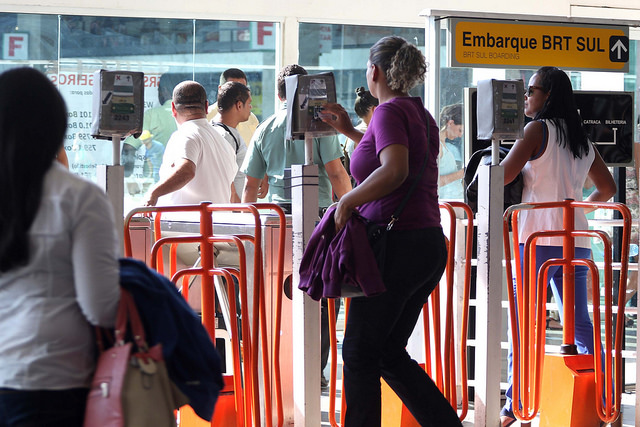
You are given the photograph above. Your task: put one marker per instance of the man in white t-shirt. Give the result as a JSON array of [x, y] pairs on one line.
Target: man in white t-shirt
[[198, 164], [234, 104]]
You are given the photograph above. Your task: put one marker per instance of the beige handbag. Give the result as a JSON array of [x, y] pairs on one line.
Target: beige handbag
[[131, 386]]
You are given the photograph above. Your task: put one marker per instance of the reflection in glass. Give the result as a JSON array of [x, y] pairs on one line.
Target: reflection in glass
[[344, 50]]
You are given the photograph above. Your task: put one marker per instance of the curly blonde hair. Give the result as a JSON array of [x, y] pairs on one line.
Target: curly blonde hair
[[403, 63]]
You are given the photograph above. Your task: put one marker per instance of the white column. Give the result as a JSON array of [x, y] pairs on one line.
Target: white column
[[111, 180], [637, 408], [489, 296], [306, 312]]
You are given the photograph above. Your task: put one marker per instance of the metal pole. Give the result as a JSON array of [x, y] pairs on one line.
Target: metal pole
[[568, 284], [308, 148], [489, 296], [306, 312], [115, 142], [495, 152]]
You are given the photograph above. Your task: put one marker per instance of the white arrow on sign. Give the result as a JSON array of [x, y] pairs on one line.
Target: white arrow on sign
[[620, 46]]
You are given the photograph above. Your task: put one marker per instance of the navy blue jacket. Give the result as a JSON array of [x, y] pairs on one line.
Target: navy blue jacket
[[192, 360]]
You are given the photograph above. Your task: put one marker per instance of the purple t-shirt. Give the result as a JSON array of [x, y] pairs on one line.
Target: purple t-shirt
[[401, 121]]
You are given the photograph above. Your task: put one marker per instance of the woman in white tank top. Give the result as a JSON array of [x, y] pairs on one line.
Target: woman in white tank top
[[555, 158]]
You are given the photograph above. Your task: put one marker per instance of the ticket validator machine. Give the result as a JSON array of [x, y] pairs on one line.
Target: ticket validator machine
[[118, 105], [306, 94], [500, 116]]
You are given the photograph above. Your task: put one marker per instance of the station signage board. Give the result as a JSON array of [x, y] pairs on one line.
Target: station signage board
[[607, 118], [526, 44]]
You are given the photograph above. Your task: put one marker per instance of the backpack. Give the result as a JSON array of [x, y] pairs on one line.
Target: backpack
[[512, 191]]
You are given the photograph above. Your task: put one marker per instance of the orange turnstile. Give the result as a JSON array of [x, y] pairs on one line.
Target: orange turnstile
[[394, 413], [224, 414], [569, 394]]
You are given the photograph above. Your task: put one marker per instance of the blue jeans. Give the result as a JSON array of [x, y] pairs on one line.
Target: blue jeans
[[583, 325], [42, 408], [379, 327]]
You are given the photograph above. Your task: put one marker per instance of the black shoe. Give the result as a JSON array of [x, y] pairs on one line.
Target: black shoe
[[324, 383]]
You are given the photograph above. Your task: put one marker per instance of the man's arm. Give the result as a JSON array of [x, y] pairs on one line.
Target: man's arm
[[184, 171], [338, 176], [234, 194], [263, 189], [251, 186]]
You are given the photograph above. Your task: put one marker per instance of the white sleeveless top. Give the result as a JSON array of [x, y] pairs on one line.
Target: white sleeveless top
[[554, 176]]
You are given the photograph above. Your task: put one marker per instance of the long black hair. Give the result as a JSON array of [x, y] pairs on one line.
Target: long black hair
[[29, 142], [560, 107]]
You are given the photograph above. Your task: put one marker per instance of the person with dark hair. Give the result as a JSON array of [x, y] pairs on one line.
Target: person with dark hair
[[198, 164], [59, 269], [364, 107], [451, 128], [555, 157], [246, 128], [234, 103], [231, 93], [401, 138], [271, 153], [365, 103], [159, 120], [450, 158], [232, 75]]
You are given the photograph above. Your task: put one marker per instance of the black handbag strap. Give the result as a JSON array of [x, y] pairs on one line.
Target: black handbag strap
[[230, 133], [396, 215]]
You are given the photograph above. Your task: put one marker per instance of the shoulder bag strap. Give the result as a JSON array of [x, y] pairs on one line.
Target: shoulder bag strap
[[396, 215], [230, 133], [128, 315]]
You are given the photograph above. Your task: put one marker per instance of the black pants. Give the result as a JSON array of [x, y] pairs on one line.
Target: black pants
[[379, 327], [42, 408]]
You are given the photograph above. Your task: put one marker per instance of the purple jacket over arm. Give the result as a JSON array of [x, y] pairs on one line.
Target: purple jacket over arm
[[331, 259]]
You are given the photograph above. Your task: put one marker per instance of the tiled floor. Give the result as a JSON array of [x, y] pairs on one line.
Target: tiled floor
[[628, 412]]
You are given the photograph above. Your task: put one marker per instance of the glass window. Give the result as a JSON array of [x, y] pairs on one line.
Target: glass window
[[249, 46], [152, 46], [71, 48], [454, 81], [344, 50]]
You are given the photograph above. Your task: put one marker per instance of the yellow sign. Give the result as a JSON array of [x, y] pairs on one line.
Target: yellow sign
[[525, 44]]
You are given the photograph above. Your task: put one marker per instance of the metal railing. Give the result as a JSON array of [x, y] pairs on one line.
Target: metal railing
[[259, 345], [528, 306]]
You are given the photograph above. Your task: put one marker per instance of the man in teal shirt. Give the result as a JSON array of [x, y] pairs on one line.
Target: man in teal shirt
[[270, 153]]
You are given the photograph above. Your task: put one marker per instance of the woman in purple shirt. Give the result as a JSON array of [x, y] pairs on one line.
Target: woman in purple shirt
[[386, 162]]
